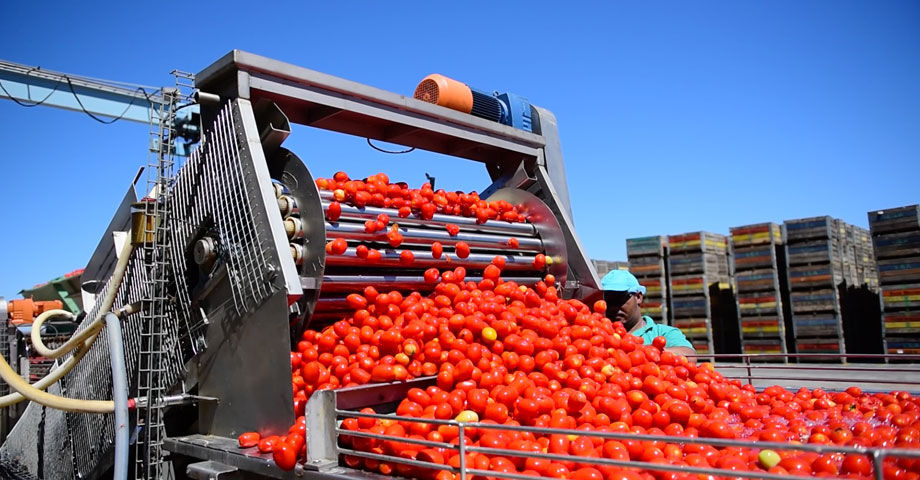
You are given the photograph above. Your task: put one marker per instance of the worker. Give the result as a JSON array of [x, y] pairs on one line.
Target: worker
[[624, 295]]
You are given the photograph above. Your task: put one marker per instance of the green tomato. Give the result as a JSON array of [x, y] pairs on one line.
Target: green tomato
[[768, 458]]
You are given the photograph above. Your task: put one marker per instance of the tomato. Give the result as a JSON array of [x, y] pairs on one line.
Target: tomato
[[394, 238], [600, 306], [452, 229], [659, 342], [462, 249], [539, 261], [267, 444], [406, 257], [285, 456], [436, 249], [337, 246], [249, 439], [334, 211]]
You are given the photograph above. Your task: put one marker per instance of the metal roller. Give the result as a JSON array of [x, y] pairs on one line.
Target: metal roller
[[327, 279], [423, 260], [427, 236]]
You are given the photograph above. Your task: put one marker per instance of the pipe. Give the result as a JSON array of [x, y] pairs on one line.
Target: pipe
[[93, 328], [35, 393], [119, 394], [21, 386], [52, 377]]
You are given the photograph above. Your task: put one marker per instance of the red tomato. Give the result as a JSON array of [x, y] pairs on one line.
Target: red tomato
[[285, 456], [249, 439], [406, 257], [334, 211], [432, 275], [539, 261], [462, 249], [659, 342], [436, 250], [394, 238], [452, 229]]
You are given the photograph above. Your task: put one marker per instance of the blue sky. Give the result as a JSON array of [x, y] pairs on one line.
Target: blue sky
[[674, 116]]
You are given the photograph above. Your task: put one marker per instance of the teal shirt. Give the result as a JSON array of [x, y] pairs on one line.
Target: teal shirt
[[651, 330]]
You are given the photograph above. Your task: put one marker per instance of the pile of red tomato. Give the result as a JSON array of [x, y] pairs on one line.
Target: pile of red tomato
[[377, 191], [506, 354]]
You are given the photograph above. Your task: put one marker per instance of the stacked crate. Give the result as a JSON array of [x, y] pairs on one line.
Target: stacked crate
[[896, 239], [697, 262], [758, 270], [866, 264], [647, 258], [814, 270], [603, 267]]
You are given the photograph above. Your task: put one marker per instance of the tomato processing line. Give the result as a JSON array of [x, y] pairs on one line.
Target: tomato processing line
[[226, 265]]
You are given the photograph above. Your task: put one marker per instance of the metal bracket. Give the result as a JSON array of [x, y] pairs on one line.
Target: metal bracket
[[320, 416], [211, 470]]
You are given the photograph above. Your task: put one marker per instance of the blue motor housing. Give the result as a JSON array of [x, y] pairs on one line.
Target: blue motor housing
[[506, 108]]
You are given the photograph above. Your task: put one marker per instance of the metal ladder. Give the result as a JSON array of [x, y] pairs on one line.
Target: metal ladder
[[157, 315]]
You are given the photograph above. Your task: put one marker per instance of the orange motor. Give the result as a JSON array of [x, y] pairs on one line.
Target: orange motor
[[446, 92], [25, 310]]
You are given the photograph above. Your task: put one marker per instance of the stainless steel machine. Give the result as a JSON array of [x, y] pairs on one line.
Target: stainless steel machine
[[232, 266]]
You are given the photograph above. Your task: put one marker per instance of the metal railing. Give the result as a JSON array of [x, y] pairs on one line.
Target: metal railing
[[326, 409], [878, 369], [874, 454]]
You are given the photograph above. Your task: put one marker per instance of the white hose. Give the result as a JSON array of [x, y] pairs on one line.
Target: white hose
[[119, 395], [93, 328], [81, 342]]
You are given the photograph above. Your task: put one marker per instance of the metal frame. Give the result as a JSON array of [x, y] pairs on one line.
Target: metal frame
[[514, 158]]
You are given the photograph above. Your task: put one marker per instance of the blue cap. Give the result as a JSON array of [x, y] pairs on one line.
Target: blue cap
[[621, 281]]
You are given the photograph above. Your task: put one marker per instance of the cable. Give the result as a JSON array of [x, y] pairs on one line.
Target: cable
[[395, 152], [35, 104], [94, 117]]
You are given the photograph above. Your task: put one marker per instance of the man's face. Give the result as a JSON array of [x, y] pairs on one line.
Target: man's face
[[625, 306]]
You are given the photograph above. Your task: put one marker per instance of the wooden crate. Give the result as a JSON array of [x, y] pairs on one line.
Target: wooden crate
[[654, 246], [697, 242], [819, 345], [902, 344], [758, 303], [696, 306], [815, 300], [805, 229], [902, 323], [759, 234], [824, 325], [762, 327], [605, 266], [682, 285], [647, 267], [813, 276], [759, 280], [765, 346], [754, 257], [901, 297], [811, 252], [899, 271], [897, 244], [710, 264], [895, 219]]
